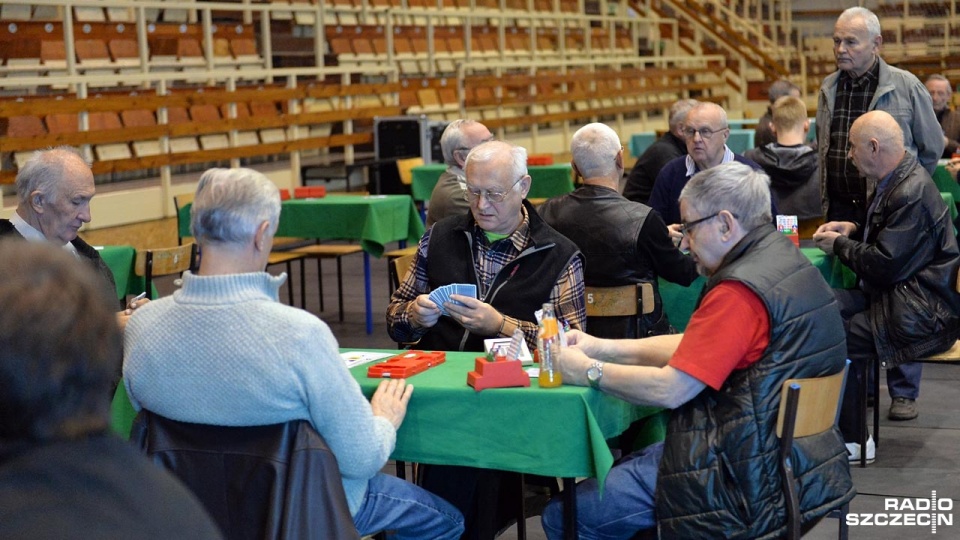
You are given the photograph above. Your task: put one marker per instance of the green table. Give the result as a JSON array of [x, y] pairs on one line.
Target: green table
[[547, 180], [120, 260], [945, 183], [374, 220], [552, 432], [679, 302]]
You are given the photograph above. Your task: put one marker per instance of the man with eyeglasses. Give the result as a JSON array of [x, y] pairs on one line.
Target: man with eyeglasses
[[706, 133], [517, 263], [766, 315], [623, 242], [459, 137]]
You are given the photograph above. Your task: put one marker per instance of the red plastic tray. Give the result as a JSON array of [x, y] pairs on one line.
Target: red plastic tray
[[406, 365]]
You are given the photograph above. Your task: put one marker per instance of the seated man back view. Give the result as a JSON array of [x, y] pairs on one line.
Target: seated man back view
[[459, 137], [791, 164], [63, 475], [222, 350], [623, 242], [766, 315]]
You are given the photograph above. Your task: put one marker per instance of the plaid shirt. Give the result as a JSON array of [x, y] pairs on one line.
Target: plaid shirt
[[853, 100], [566, 295]]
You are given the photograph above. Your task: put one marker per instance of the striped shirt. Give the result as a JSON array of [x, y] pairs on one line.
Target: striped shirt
[[566, 295]]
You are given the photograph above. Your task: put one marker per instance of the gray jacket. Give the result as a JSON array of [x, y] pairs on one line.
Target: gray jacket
[[906, 99]]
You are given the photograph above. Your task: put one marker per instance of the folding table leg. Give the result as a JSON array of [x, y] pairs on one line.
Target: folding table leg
[[570, 509]]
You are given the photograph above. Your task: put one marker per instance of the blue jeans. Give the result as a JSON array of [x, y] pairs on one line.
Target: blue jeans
[[628, 503], [408, 511]]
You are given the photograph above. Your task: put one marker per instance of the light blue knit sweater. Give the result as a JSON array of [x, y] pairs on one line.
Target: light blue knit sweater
[[222, 350]]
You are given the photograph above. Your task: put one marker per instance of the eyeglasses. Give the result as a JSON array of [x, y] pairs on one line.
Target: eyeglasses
[[473, 195], [705, 133], [687, 226]]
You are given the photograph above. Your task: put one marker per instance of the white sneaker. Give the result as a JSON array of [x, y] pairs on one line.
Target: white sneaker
[[853, 451]]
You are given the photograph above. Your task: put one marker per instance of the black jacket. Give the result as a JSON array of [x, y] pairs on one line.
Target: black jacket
[[644, 172], [908, 264], [719, 475], [794, 173]]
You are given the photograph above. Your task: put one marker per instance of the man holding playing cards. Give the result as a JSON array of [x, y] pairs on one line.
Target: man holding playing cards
[[516, 263], [503, 250]]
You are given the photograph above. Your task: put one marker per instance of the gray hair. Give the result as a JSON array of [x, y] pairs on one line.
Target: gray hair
[[709, 105], [44, 170], [230, 205], [781, 88], [939, 77], [679, 110], [452, 139], [594, 148], [869, 19], [492, 149], [734, 187]]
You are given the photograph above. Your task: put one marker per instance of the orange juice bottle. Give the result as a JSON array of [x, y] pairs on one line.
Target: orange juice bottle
[[549, 349]]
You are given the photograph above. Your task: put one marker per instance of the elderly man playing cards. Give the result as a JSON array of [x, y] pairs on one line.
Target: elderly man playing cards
[[484, 274]]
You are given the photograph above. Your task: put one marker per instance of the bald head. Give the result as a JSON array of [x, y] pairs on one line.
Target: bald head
[[597, 154], [876, 144]]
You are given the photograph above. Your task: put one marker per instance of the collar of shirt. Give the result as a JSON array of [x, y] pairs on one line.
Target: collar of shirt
[[692, 165], [872, 74], [30, 234], [518, 238]]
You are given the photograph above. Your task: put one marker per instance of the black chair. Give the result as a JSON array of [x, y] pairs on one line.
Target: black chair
[[261, 482]]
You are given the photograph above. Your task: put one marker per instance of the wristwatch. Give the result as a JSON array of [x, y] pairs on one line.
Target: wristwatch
[[594, 374]]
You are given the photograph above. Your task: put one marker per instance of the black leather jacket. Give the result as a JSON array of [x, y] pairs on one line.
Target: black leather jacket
[[908, 265]]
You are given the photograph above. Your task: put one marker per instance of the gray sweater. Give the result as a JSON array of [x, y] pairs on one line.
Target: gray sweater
[[222, 350]]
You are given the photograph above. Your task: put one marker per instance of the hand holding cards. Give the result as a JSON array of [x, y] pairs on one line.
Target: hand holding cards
[[440, 295]]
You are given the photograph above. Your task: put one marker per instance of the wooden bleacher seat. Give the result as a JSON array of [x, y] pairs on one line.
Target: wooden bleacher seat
[[207, 115], [15, 12], [242, 110], [120, 14], [89, 14], [264, 109], [245, 52], [93, 57], [22, 126], [141, 118], [177, 116], [47, 13], [103, 121], [178, 15], [305, 18]]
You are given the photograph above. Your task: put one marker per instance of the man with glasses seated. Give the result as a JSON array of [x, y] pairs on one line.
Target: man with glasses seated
[[517, 263], [765, 316], [706, 133], [459, 137]]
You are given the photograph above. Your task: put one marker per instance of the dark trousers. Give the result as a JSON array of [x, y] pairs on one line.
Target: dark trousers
[[902, 381], [847, 209]]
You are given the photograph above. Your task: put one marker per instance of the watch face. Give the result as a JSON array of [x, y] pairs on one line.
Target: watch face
[[593, 373]]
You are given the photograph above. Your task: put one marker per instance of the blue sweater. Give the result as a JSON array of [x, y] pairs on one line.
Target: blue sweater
[[222, 350], [670, 183]]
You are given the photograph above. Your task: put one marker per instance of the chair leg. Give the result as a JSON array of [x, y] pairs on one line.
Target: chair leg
[[522, 514], [844, 531], [290, 283], [303, 283], [864, 424], [876, 403], [340, 286]]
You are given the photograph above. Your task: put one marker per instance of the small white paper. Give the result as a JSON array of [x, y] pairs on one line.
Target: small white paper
[[533, 372], [356, 358], [524, 357]]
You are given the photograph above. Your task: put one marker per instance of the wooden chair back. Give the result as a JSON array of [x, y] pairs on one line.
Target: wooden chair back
[[400, 267], [811, 411], [152, 263], [179, 201], [405, 169], [623, 301]]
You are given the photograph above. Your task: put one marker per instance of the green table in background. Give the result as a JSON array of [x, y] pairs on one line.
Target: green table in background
[[679, 302], [373, 220], [120, 260], [547, 180], [945, 183]]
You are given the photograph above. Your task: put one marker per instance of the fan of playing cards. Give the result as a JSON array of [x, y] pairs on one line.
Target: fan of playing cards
[[442, 294]]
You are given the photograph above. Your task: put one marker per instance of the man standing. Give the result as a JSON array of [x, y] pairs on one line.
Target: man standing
[[864, 82], [906, 257], [705, 131], [941, 93], [623, 242], [765, 316], [54, 189], [667, 148], [459, 137], [223, 351], [63, 474], [764, 135], [503, 247]]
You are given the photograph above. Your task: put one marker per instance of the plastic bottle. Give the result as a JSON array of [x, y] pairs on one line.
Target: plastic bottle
[[549, 349]]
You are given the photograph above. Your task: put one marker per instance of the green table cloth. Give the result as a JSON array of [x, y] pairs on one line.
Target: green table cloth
[[945, 183], [374, 220], [547, 180], [120, 260], [679, 302], [552, 432]]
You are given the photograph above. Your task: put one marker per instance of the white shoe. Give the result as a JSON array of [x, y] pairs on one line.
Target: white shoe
[[853, 450]]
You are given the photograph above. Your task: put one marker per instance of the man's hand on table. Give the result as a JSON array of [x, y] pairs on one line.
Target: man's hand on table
[[474, 315], [827, 234], [391, 399]]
